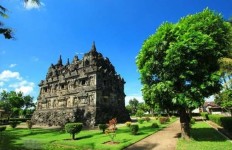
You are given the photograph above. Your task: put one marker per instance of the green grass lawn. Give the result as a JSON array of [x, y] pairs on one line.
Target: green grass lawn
[[86, 139], [204, 137]]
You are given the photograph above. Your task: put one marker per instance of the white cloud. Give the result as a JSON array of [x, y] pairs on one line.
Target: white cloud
[[12, 65], [32, 5], [23, 86], [7, 74], [25, 89], [13, 81], [129, 97]]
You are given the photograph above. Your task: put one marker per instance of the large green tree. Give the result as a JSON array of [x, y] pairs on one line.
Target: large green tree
[[224, 98], [133, 103], [179, 63], [13, 102], [5, 31]]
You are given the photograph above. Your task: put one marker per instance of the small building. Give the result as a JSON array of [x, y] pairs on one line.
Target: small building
[[212, 108], [87, 90]]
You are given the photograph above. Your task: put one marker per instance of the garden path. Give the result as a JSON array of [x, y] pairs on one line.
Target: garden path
[[165, 139]]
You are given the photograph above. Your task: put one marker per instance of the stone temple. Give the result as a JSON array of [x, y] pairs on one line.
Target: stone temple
[[87, 90]]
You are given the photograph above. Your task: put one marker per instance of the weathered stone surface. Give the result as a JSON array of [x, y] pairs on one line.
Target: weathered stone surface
[[87, 90]]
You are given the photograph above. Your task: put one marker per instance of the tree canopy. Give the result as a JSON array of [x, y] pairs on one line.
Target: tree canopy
[[13, 102], [179, 65]]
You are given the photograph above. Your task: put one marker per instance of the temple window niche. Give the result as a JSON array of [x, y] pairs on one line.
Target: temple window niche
[[83, 82], [86, 62], [45, 89]]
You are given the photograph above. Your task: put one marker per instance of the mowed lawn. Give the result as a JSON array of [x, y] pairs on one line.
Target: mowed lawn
[[54, 139], [204, 137]]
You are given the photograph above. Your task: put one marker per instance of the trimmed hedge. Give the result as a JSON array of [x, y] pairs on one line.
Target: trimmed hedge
[[103, 127], [154, 125], [134, 129], [192, 121], [148, 119], [14, 124], [140, 121], [128, 123], [216, 119], [225, 122], [73, 128]]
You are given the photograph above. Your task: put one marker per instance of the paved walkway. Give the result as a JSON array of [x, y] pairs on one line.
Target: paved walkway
[[165, 139]]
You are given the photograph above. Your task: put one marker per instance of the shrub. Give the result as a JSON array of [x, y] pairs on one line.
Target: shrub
[[173, 117], [2, 128], [134, 129], [163, 120], [215, 118], [111, 130], [140, 121], [225, 122], [29, 124], [128, 123], [192, 121], [14, 124], [148, 119], [205, 115], [154, 125], [139, 113], [19, 119], [103, 127], [73, 128]]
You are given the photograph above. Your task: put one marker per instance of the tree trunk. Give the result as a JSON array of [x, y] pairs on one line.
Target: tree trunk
[[73, 136], [184, 122], [152, 111]]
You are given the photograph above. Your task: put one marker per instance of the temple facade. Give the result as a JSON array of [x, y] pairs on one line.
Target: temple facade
[[87, 90]]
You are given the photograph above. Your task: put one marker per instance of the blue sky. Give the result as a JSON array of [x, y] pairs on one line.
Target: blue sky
[[68, 27]]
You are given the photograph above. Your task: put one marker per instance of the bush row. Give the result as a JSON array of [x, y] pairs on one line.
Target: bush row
[[225, 122], [4, 120]]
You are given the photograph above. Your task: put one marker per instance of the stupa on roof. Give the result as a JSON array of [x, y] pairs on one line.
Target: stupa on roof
[[87, 90]]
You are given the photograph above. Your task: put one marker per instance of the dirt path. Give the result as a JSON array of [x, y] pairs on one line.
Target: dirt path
[[165, 139]]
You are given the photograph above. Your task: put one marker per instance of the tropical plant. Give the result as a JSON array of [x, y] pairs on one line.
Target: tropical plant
[[111, 130], [7, 32]]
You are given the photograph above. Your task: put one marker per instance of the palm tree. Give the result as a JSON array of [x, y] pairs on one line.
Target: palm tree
[[7, 32]]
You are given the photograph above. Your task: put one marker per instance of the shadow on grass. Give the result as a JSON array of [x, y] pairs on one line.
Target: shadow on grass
[[9, 137], [83, 137], [7, 141], [206, 134]]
